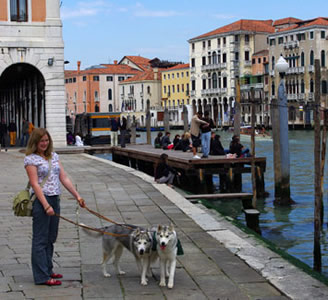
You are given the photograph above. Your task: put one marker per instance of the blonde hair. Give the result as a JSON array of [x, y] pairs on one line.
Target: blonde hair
[[36, 136], [187, 135]]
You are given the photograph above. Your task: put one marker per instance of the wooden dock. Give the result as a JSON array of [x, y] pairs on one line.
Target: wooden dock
[[196, 173]]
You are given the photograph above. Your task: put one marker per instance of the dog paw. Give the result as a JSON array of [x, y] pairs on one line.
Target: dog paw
[[107, 275], [122, 273], [162, 283], [144, 282], [170, 285]]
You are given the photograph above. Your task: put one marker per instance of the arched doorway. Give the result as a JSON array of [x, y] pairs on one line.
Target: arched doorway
[[22, 95]]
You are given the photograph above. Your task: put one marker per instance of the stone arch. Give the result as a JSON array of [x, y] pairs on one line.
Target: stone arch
[[22, 95]]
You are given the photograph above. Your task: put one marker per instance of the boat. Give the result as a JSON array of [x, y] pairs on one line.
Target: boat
[[260, 134]]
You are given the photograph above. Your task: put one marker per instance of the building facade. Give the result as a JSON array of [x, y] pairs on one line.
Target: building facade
[[32, 65], [95, 89], [176, 91], [300, 43], [218, 58]]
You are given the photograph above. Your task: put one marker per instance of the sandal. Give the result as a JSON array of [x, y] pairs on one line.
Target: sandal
[[52, 282], [56, 275]]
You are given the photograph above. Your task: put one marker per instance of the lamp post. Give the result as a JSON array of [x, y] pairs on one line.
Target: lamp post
[[282, 186]]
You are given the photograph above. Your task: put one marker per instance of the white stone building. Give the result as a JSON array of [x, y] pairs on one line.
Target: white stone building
[[32, 65]]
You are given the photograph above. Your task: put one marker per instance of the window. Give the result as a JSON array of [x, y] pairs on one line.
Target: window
[[164, 76], [209, 43], [302, 59], [187, 74], [311, 86], [172, 75], [302, 86], [168, 76], [215, 81], [273, 89], [253, 61], [74, 79], [224, 41], [311, 58], [324, 87], [273, 63], [182, 87], [109, 78], [178, 88], [120, 78], [259, 60], [272, 42], [177, 75], [204, 84], [66, 80], [84, 78], [264, 59], [192, 62], [204, 44], [323, 34], [193, 85], [246, 38], [203, 60], [224, 57], [224, 82], [311, 35], [247, 55], [193, 46], [96, 96], [323, 58], [237, 56], [95, 78], [148, 90], [236, 38], [110, 94], [110, 107], [18, 10], [181, 74], [173, 89], [280, 40], [219, 42], [164, 89]]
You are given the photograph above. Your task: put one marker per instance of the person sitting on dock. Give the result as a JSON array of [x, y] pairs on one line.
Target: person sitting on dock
[[164, 173], [195, 133], [186, 142], [166, 142], [216, 147], [176, 141], [158, 140], [237, 148]]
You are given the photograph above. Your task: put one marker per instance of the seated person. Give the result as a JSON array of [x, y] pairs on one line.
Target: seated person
[[186, 142], [78, 141], [164, 173], [216, 147], [70, 138], [237, 148], [176, 141], [166, 143], [158, 140]]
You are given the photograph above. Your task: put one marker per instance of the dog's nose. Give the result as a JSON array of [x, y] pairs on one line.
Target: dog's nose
[[141, 251], [163, 244]]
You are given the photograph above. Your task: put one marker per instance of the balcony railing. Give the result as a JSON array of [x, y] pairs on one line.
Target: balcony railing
[[214, 67], [211, 91], [271, 72], [301, 70], [311, 96], [247, 63], [311, 68], [192, 93], [301, 96], [192, 70], [256, 86], [291, 96], [291, 44], [292, 70]]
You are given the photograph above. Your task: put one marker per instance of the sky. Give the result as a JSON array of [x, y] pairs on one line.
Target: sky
[[101, 31]]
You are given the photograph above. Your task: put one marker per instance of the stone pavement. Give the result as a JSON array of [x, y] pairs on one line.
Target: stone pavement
[[220, 262]]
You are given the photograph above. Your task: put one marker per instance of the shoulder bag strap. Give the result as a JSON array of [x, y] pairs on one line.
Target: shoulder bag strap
[[43, 181]]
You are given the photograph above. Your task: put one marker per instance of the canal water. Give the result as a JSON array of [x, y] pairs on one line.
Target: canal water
[[288, 228]]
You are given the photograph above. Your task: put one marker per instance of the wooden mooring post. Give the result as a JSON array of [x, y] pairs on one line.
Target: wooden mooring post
[[148, 123]]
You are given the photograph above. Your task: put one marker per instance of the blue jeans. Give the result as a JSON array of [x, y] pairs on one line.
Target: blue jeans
[[206, 143], [24, 139], [45, 230]]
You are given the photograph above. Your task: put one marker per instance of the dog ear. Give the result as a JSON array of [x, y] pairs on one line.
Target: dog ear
[[137, 232], [171, 227], [159, 228]]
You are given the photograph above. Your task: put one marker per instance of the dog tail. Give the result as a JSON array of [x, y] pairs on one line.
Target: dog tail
[[92, 233]]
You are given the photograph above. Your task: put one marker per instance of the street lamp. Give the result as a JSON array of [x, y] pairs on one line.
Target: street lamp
[[282, 191]]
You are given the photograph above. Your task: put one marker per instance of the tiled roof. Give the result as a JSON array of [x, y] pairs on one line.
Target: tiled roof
[[106, 69], [284, 21], [262, 53], [242, 25], [142, 62], [307, 23], [144, 76], [179, 66]]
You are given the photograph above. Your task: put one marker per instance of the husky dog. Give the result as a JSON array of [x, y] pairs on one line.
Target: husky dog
[[137, 240], [166, 246]]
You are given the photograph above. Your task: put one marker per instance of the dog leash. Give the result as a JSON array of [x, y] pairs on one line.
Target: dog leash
[[91, 228], [105, 218]]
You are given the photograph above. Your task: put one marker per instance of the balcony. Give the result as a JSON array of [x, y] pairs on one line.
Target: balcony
[[247, 63], [311, 96], [291, 96], [256, 86], [223, 90], [207, 92], [301, 70], [192, 70], [213, 67], [291, 44], [311, 69], [292, 70], [192, 93], [271, 72], [130, 95], [235, 65], [301, 96]]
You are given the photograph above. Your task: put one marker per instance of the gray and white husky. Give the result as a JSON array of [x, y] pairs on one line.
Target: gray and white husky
[[138, 241], [166, 244]]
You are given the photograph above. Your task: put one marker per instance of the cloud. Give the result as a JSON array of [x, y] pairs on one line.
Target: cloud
[[85, 9], [224, 17], [141, 11]]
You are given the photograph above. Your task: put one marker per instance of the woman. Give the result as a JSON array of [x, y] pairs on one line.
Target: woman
[[158, 140], [237, 148], [164, 173], [47, 203]]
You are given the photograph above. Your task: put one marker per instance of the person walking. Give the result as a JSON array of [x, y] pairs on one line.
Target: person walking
[[115, 123], [12, 128], [206, 134], [195, 133], [3, 135], [25, 133], [123, 127], [40, 161]]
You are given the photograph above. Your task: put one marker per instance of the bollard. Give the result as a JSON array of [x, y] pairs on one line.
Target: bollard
[[252, 219]]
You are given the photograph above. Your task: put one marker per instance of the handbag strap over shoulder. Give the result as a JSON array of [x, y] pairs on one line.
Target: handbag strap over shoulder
[[43, 181]]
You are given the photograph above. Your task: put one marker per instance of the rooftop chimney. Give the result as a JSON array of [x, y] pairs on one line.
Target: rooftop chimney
[[155, 70], [115, 62], [78, 65]]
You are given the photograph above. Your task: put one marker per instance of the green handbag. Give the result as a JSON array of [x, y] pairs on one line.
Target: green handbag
[[23, 202]]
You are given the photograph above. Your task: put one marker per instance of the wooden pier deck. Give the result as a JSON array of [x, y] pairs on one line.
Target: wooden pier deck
[[197, 173]]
